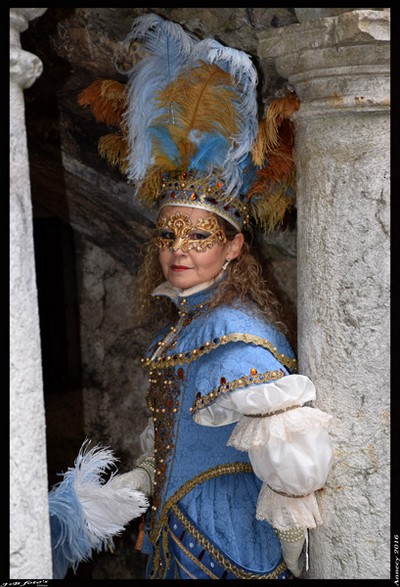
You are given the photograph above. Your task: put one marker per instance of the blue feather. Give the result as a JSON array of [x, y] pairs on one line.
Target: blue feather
[[211, 153], [171, 52], [85, 512], [162, 138], [244, 76], [69, 538], [249, 173], [169, 47]]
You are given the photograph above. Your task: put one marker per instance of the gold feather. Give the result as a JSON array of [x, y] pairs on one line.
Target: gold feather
[[200, 100], [270, 209], [114, 148], [151, 186]]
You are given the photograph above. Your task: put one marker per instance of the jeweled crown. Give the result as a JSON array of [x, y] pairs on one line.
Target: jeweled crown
[[208, 193]]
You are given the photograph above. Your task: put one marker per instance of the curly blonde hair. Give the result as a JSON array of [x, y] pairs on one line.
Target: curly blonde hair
[[244, 286]]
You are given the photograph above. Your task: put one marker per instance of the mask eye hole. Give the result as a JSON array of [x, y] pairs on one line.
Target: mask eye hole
[[196, 235], [165, 234]]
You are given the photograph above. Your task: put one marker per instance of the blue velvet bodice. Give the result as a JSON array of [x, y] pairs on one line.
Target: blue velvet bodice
[[205, 354]]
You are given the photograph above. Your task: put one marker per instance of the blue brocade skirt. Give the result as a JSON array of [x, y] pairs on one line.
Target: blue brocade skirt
[[212, 533]]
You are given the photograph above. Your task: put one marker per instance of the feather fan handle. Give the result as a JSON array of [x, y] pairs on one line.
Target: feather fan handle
[[85, 512], [106, 99], [169, 47]]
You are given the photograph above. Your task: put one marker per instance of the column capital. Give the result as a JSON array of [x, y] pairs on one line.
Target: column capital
[[336, 63], [25, 67]]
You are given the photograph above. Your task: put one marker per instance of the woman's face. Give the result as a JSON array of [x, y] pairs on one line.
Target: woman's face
[[193, 246]]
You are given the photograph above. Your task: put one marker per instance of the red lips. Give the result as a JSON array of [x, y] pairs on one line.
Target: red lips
[[179, 267]]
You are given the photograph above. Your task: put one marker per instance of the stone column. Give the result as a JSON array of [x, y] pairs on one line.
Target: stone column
[[339, 68], [30, 551]]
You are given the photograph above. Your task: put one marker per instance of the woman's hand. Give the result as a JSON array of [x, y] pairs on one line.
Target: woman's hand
[[292, 553], [138, 479]]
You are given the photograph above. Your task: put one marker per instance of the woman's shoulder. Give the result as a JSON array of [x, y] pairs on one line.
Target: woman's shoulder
[[241, 318], [226, 323]]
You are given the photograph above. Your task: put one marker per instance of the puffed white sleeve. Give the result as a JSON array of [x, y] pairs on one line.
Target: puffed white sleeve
[[288, 443]]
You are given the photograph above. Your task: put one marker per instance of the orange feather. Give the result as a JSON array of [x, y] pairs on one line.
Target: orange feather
[[106, 100]]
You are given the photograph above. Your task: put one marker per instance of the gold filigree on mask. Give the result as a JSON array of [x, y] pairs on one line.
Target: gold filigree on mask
[[178, 232]]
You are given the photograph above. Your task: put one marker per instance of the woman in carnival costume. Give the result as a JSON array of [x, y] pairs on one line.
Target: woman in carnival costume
[[232, 457]]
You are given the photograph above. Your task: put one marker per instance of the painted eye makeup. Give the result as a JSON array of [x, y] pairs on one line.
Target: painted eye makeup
[[195, 235], [166, 235]]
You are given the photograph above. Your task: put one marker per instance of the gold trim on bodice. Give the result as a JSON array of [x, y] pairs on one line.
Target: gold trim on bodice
[[189, 356]]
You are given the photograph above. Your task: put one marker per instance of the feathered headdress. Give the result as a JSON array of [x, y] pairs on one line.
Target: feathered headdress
[[188, 129]]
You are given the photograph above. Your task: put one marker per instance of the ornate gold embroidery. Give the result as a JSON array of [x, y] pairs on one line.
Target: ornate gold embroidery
[[217, 555], [186, 487], [205, 400], [192, 558], [170, 340], [178, 231], [163, 402], [189, 356]]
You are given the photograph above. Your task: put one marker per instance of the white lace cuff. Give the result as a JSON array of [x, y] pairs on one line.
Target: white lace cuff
[[284, 513], [253, 431]]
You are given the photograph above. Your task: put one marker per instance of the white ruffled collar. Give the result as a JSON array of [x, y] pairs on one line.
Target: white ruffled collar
[[174, 293]]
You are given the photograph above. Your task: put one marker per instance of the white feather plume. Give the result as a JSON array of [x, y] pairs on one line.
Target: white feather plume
[[107, 508], [86, 512]]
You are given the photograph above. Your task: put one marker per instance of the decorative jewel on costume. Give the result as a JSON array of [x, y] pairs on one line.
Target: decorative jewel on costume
[[193, 354], [163, 392], [178, 231], [224, 387]]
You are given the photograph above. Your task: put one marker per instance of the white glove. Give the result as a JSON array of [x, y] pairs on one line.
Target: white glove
[[138, 478], [292, 553]]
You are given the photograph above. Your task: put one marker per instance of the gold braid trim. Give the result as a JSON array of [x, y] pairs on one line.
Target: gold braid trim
[[191, 556], [217, 555], [189, 485], [188, 357], [268, 414], [187, 572], [244, 381], [291, 494]]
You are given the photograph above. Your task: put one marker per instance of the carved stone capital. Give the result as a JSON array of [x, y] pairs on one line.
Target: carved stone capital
[[25, 68], [340, 62]]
